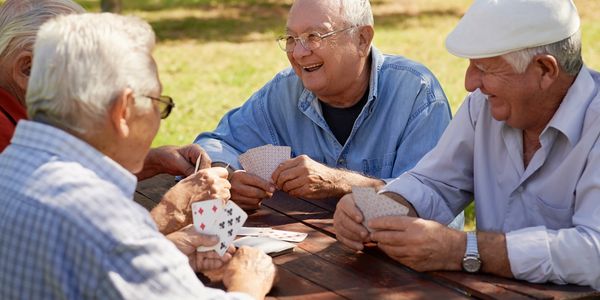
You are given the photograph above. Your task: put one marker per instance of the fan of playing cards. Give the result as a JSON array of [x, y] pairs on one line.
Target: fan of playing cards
[[263, 160], [220, 218], [373, 205]]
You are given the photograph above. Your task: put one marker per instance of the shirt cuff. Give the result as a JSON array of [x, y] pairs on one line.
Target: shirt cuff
[[220, 152], [529, 254]]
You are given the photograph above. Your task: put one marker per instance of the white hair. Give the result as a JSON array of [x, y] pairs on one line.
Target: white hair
[[21, 19], [357, 12], [567, 52], [83, 62]]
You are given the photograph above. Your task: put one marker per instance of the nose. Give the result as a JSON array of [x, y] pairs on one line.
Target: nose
[[300, 51], [472, 78]]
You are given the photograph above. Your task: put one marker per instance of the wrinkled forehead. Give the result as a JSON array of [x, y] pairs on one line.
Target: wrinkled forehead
[[312, 15]]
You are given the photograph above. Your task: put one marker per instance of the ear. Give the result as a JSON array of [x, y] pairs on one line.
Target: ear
[[121, 112], [548, 69], [22, 69], [365, 37]]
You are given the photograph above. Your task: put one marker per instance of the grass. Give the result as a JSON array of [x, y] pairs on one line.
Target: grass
[[213, 54]]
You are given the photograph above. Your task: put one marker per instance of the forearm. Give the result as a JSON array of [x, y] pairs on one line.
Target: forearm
[[493, 253], [345, 180]]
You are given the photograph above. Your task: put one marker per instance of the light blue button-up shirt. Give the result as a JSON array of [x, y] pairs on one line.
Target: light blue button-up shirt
[[405, 114], [550, 211], [69, 228]]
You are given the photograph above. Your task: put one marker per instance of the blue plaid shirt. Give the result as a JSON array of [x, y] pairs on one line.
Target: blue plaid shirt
[[70, 230]]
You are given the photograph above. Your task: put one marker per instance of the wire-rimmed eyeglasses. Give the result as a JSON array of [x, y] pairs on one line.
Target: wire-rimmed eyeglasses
[[310, 41], [165, 104]]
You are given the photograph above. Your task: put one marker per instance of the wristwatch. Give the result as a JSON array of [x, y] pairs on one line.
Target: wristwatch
[[471, 262]]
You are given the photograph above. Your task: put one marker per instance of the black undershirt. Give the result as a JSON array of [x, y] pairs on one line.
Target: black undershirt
[[341, 120]]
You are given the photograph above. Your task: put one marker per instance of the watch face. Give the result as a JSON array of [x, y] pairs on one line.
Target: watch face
[[471, 264]]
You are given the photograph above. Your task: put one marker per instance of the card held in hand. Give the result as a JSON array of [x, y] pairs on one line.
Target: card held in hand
[[263, 160], [374, 205], [225, 222]]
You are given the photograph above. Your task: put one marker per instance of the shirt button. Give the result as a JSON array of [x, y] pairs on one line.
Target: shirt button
[[341, 161]]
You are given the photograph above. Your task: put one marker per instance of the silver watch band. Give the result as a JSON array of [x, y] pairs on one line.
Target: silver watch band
[[472, 244]]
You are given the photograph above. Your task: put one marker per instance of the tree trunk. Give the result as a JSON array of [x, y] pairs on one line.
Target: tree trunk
[[113, 6]]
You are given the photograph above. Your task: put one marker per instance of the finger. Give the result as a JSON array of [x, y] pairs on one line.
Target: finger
[[249, 191], [290, 163], [388, 237], [294, 184], [398, 223], [218, 172], [354, 245], [348, 206], [350, 228], [196, 239], [288, 175]]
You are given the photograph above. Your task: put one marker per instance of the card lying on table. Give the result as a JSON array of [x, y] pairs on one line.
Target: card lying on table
[[220, 218], [282, 235], [263, 160], [268, 245], [373, 205]]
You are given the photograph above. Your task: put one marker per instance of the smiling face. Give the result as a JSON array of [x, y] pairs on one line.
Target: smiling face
[[333, 69], [513, 98]]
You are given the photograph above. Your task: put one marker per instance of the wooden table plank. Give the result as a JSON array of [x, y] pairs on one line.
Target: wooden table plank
[[320, 265]]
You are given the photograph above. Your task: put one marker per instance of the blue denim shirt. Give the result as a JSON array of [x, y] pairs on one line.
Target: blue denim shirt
[[405, 115]]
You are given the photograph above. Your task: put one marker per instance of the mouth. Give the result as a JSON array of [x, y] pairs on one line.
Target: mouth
[[312, 68]]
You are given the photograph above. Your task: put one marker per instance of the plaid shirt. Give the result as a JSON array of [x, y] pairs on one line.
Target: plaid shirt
[[70, 230]]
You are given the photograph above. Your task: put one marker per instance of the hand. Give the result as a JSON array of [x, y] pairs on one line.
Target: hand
[[187, 240], [248, 190], [347, 222], [174, 210], [305, 178], [250, 271], [174, 160], [420, 244]]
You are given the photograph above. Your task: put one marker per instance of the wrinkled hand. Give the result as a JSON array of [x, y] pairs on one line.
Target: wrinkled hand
[[305, 178], [250, 271], [347, 221], [187, 240], [248, 190], [174, 160], [420, 244], [174, 210]]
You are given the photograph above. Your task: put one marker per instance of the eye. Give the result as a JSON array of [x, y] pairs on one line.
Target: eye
[[314, 37], [290, 40]]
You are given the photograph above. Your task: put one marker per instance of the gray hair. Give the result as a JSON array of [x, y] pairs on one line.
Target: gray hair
[[357, 12], [21, 19], [567, 52], [82, 63]]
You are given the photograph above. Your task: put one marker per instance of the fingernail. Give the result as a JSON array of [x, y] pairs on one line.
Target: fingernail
[[272, 189]]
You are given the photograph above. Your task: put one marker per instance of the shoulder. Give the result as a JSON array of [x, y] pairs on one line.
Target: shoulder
[[395, 65]]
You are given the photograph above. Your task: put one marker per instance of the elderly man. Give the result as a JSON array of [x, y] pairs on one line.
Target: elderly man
[[69, 226], [352, 116], [524, 145], [19, 22]]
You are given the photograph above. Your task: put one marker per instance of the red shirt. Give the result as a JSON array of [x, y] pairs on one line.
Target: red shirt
[[11, 111]]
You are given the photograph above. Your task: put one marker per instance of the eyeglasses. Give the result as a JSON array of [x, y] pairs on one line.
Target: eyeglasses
[[165, 105], [310, 41]]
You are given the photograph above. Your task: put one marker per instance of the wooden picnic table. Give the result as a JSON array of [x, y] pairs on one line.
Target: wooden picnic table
[[321, 268]]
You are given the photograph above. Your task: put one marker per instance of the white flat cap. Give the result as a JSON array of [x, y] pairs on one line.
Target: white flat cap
[[496, 27]]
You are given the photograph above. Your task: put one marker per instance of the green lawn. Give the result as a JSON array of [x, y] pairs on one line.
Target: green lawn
[[213, 54]]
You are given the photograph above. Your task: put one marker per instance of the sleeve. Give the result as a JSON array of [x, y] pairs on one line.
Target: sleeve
[[240, 129], [569, 255], [153, 268], [424, 128], [440, 186]]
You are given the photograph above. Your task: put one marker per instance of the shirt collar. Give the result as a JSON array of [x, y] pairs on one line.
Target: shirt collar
[[50, 139], [570, 115], [12, 106], [307, 98]]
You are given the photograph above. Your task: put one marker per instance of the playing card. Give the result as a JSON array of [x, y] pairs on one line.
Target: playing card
[[226, 226], [268, 245], [204, 215], [263, 160], [283, 235], [373, 205], [254, 231]]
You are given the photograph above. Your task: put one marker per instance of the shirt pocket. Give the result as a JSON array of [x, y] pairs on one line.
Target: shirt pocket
[[554, 214], [380, 167]]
